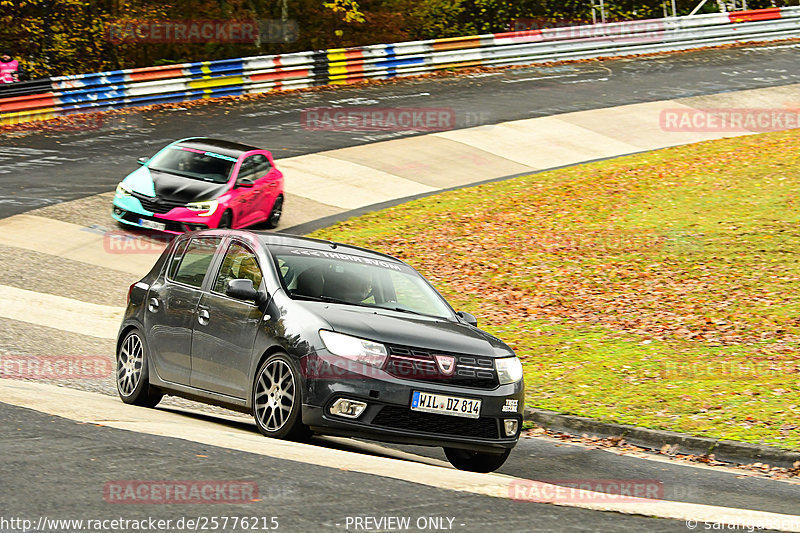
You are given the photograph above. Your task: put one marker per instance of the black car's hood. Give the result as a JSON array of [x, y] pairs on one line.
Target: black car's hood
[[184, 190], [408, 330]]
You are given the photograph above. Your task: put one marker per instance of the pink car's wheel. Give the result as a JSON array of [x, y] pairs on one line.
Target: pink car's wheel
[[226, 220], [275, 214]]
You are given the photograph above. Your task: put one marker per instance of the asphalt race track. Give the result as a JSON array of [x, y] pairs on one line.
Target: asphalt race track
[[60, 458], [301, 497], [41, 169]]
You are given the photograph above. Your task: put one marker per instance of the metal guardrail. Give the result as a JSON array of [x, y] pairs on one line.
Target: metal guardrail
[[24, 88], [44, 99]]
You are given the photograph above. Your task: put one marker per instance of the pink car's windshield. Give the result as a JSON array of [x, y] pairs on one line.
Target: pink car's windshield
[[195, 164]]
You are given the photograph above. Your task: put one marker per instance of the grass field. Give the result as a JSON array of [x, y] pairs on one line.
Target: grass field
[[658, 289]]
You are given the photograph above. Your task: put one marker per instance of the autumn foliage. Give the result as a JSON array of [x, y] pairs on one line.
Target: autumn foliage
[[659, 289], [69, 36]]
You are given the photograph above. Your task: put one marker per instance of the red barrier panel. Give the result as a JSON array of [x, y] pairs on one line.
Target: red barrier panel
[[156, 73], [771, 13], [31, 101]]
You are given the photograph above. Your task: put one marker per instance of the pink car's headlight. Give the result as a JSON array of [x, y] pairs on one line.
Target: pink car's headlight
[[206, 208]]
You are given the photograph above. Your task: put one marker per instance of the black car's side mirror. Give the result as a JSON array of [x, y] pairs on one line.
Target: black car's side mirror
[[468, 318], [142, 160], [241, 289], [245, 183]]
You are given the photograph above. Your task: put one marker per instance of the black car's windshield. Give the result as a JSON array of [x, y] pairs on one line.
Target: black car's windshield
[[192, 163], [357, 280]]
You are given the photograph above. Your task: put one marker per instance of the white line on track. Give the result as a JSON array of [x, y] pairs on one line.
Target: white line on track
[[103, 410], [587, 81], [520, 80], [58, 312]]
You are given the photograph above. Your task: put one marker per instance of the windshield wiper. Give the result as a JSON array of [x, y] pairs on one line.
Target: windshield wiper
[[410, 311], [326, 299], [329, 299]]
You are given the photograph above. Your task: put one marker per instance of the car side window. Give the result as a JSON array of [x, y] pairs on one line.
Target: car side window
[[196, 260], [247, 170], [262, 165], [177, 255], [239, 263]]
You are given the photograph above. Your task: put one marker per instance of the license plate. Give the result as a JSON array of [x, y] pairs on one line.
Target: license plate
[[152, 224], [445, 405]]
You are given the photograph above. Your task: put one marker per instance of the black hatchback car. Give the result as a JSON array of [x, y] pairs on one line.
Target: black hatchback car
[[313, 336]]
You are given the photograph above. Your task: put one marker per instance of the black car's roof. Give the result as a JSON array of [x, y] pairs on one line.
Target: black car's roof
[[218, 146], [283, 239], [270, 238]]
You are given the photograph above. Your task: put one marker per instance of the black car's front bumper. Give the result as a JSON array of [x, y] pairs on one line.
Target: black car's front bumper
[[388, 415]]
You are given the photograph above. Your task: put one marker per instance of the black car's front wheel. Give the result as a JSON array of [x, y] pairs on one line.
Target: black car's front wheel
[[476, 461], [277, 399], [132, 372]]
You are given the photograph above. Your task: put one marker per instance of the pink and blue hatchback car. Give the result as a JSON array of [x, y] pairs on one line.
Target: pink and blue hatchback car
[[201, 183]]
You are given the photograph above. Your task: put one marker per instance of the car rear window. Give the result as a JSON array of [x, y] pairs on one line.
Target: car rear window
[[177, 255]]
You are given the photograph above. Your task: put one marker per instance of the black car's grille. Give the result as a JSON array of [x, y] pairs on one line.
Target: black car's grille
[[408, 420], [157, 205], [420, 365]]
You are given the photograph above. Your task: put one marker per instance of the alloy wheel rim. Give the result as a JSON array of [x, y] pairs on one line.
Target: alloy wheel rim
[[274, 396], [129, 364], [277, 210]]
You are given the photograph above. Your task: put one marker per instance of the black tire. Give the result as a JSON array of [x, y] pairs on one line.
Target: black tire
[[278, 399], [226, 220], [476, 461], [274, 217], [131, 372]]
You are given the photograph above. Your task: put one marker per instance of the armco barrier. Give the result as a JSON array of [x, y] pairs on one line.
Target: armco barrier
[[44, 99]]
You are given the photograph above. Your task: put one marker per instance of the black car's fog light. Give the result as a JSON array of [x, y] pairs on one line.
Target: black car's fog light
[[511, 425], [347, 408]]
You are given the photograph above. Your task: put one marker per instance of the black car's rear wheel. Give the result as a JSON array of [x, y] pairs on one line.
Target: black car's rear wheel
[[275, 215], [475, 461], [132, 373], [277, 399]]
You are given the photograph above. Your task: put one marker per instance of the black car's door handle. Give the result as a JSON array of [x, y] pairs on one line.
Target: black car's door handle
[[203, 317], [152, 305]]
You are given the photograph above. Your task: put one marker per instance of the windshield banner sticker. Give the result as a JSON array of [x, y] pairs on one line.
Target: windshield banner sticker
[[346, 257]]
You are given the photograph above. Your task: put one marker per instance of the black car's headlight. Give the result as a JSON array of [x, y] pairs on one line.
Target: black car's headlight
[[509, 370], [355, 349]]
